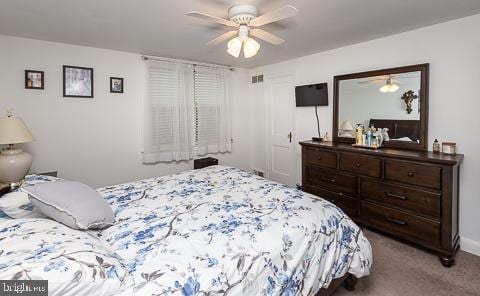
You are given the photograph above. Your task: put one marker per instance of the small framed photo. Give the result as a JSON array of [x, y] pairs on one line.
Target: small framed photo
[[77, 82], [34, 79], [116, 85], [449, 148]]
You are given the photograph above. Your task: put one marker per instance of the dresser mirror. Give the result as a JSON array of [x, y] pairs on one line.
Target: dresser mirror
[[394, 100]]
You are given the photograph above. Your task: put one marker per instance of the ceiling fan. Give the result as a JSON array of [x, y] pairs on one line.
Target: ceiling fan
[[391, 82], [381, 79], [246, 22]]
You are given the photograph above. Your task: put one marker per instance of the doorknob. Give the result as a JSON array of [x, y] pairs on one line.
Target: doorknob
[[290, 137]]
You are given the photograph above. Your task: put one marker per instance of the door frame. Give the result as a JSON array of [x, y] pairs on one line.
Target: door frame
[[268, 124]]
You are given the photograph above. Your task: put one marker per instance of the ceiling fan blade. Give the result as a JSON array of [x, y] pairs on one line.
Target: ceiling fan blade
[[211, 18], [407, 77], [222, 38], [372, 81], [269, 37], [273, 16]]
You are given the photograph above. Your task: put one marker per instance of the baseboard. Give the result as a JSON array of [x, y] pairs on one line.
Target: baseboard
[[470, 246]]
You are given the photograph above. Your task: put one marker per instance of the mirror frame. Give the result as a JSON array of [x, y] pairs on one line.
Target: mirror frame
[[423, 96]]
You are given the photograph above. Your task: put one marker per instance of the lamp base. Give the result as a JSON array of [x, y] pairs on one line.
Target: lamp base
[[14, 165]]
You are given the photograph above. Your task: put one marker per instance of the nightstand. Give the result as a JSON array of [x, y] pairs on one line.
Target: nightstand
[[4, 189], [50, 174], [204, 162]]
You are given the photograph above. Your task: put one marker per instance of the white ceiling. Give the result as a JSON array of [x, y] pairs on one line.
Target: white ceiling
[[160, 27]]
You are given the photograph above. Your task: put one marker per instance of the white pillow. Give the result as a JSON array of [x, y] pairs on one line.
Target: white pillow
[[17, 205]]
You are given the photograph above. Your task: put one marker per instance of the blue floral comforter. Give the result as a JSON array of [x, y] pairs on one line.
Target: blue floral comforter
[[215, 231], [223, 231]]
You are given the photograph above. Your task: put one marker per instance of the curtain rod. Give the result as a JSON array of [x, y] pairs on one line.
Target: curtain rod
[[145, 57]]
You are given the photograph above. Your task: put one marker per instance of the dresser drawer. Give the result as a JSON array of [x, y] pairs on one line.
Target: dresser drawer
[[360, 164], [347, 204], [419, 201], [322, 158], [398, 222], [416, 174], [332, 181]]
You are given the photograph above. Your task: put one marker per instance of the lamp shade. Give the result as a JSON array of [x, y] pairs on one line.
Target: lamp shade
[[389, 88], [235, 46], [346, 126], [250, 48], [14, 131]]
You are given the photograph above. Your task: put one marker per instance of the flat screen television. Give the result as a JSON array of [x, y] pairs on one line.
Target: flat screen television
[[312, 95]]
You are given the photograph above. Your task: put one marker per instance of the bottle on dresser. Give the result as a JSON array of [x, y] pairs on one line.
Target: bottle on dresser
[[359, 135], [436, 146], [369, 137]]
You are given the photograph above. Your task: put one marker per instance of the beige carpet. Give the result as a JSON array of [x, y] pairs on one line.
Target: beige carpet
[[399, 269]]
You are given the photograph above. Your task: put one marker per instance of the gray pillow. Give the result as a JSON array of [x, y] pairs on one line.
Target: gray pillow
[[71, 203]]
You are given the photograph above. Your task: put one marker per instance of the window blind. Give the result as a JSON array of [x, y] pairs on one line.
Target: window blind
[[168, 112], [211, 110], [187, 111], [165, 88]]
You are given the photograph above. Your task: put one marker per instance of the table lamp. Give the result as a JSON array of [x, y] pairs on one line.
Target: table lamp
[[346, 129], [14, 163]]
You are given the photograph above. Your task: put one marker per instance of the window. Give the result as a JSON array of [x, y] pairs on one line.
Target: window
[[167, 112], [187, 112], [211, 124]]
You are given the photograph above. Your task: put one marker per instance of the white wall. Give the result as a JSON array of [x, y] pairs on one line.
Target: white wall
[[97, 141], [453, 51]]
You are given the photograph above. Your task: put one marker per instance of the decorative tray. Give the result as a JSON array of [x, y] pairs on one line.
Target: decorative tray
[[366, 147]]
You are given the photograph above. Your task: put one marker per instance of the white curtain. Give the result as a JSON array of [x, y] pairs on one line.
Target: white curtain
[[212, 110], [168, 112]]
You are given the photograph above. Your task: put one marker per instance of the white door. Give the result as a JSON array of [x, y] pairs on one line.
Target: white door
[[280, 138]]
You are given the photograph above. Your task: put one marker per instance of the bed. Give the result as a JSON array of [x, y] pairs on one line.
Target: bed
[[214, 231], [409, 130]]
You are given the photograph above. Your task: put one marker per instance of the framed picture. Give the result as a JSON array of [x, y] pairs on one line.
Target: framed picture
[[116, 85], [34, 79], [77, 82]]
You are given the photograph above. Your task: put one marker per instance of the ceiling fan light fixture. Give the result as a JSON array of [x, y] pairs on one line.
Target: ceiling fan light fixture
[[245, 18], [234, 46], [250, 48], [389, 88]]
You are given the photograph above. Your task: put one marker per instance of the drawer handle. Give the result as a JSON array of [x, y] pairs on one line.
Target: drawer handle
[[399, 222], [411, 174], [331, 180], [402, 197], [357, 164], [319, 158]]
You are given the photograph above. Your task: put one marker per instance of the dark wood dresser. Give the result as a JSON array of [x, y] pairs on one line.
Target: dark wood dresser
[[412, 195]]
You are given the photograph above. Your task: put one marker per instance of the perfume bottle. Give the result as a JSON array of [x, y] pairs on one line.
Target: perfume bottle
[[358, 135], [369, 137], [436, 146]]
